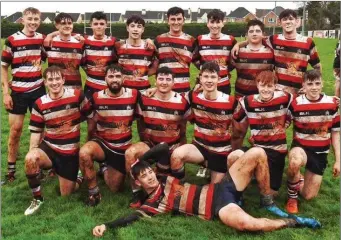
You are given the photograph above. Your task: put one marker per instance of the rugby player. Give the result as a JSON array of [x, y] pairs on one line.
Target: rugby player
[[316, 123], [211, 113], [113, 111], [66, 51], [163, 116], [60, 113], [292, 52], [336, 67], [267, 115], [175, 49], [166, 194], [23, 53], [216, 46]]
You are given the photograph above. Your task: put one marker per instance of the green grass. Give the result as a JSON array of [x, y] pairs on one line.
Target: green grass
[[68, 218]]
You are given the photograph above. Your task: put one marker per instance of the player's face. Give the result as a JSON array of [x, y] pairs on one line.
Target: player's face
[[313, 88], [114, 81], [54, 82], [135, 30], [147, 179], [255, 34], [65, 27], [98, 27], [289, 24], [209, 81], [31, 21], [215, 26], [266, 90], [164, 83], [176, 22]]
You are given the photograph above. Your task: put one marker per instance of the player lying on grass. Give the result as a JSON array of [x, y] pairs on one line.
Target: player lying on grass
[[167, 194]]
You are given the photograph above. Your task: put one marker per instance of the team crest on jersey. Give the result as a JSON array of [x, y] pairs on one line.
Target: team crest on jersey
[[327, 113], [265, 61], [128, 107], [292, 68], [68, 107], [145, 58], [75, 50], [176, 112], [299, 51], [185, 48], [222, 112], [224, 48], [281, 107], [106, 49]]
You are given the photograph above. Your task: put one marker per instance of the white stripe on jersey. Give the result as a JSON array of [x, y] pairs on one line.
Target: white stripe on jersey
[[54, 54], [24, 53], [213, 52], [173, 65], [60, 113], [95, 81], [177, 51], [26, 69], [134, 62], [159, 115], [26, 84], [314, 137], [222, 37], [68, 93], [64, 147], [113, 113], [213, 116], [215, 149]]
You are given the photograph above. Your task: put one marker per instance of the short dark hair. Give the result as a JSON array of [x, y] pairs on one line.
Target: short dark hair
[[266, 77], [98, 15], [63, 16], [52, 69], [287, 13], [255, 22], [164, 70], [216, 15], [135, 19], [113, 68], [312, 75], [211, 66], [138, 168], [175, 11]]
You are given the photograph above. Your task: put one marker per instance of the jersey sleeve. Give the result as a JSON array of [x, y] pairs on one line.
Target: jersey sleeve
[[139, 106], [336, 117], [7, 53], [189, 113], [37, 122], [85, 106], [239, 113], [268, 41], [314, 57], [124, 221]]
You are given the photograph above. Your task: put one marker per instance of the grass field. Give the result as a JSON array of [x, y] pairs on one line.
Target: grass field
[[68, 218]]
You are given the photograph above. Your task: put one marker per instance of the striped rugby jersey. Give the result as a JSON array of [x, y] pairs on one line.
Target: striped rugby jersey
[[135, 62], [217, 50], [162, 119], [267, 120], [176, 53], [114, 117], [175, 196], [314, 121], [67, 55], [97, 55], [249, 64], [25, 55], [291, 60], [61, 120], [212, 121]]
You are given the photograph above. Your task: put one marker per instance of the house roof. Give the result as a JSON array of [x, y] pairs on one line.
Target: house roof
[[238, 13], [194, 16], [74, 16], [50, 15], [262, 12], [203, 11], [115, 17], [148, 15], [14, 17]]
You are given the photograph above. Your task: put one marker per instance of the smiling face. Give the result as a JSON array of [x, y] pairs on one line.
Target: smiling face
[[313, 88], [266, 90], [31, 22], [114, 81], [215, 27], [164, 83], [98, 27], [289, 24], [65, 27], [135, 30], [176, 23], [147, 180], [209, 81], [255, 34], [54, 82]]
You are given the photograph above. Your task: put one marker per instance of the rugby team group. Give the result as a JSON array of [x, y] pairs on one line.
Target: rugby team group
[[273, 89]]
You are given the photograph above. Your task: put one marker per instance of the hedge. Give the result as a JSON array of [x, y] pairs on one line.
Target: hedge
[[151, 29]]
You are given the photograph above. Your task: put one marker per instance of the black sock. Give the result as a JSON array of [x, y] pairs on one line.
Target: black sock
[[11, 168]]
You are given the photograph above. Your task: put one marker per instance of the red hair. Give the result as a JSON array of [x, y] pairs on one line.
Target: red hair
[[266, 77]]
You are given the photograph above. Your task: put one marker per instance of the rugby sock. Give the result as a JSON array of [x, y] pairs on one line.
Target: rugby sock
[[103, 167], [94, 191], [11, 168], [179, 173], [34, 183], [80, 178], [293, 189], [266, 200]]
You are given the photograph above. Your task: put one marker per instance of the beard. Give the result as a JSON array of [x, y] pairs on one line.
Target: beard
[[115, 90]]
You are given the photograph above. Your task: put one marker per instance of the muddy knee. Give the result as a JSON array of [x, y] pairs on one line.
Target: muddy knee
[[176, 160], [31, 162], [233, 157]]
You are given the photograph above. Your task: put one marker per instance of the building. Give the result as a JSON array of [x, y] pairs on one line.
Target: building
[[111, 17], [269, 17], [148, 16], [240, 14]]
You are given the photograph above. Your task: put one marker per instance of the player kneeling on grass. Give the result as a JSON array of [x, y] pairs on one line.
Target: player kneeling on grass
[[208, 201], [316, 122], [60, 113]]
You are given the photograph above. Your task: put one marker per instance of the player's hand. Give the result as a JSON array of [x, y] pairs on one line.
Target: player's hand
[[336, 169], [49, 37], [150, 92], [149, 44], [301, 91], [79, 38], [8, 102], [98, 231], [235, 51], [197, 88]]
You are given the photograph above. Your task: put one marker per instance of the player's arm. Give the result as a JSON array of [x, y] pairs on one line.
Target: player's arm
[[35, 139], [7, 99], [336, 147], [240, 125], [236, 47], [49, 37], [153, 67], [99, 230], [314, 60], [183, 139]]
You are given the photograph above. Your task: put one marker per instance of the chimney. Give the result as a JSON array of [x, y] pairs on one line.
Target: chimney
[[143, 11], [189, 11], [198, 10]]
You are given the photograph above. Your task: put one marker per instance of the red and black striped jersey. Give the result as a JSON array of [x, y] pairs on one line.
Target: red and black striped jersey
[[97, 55], [25, 55], [114, 117], [135, 61], [163, 118], [217, 50], [61, 120], [314, 121], [268, 120], [67, 55], [176, 52], [291, 60], [177, 197], [249, 64], [212, 121]]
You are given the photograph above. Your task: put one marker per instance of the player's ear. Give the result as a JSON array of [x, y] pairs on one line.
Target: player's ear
[[138, 183]]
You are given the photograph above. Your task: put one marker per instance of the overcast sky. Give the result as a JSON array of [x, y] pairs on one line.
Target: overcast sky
[[7, 8]]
